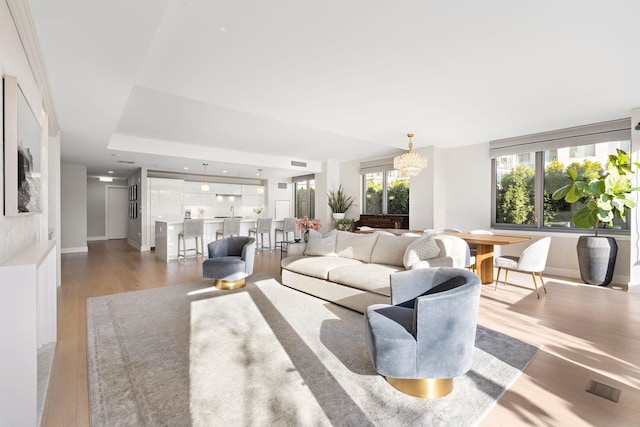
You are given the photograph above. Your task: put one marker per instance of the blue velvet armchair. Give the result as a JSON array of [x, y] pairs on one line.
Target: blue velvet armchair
[[230, 261], [426, 336]]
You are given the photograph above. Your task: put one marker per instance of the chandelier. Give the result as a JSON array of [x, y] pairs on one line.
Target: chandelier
[[205, 184], [409, 163]]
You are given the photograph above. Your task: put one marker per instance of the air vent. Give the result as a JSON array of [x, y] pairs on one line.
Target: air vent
[[282, 186], [302, 164], [603, 390], [127, 162]]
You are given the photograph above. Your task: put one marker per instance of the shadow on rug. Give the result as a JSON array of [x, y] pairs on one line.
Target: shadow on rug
[[263, 355]]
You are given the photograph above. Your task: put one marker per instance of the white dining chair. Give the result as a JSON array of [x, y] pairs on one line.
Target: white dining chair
[[533, 259]]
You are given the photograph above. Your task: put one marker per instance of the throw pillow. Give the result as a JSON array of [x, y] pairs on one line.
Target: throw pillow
[[423, 248], [319, 245]]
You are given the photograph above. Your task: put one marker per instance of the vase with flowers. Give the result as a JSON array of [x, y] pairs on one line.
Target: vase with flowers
[[305, 224], [258, 210]]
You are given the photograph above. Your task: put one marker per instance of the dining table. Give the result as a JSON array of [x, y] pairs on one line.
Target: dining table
[[485, 244]]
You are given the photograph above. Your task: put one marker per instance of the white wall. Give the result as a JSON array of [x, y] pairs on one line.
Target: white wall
[[96, 207], [467, 183], [73, 199], [18, 232]]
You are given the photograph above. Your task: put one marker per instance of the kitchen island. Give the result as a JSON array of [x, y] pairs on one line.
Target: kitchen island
[[167, 235]]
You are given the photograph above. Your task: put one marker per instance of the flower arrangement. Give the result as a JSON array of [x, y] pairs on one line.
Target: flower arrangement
[[258, 210], [305, 223]]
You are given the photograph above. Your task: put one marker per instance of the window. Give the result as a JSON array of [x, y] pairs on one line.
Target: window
[[525, 181], [305, 197], [385, 192]]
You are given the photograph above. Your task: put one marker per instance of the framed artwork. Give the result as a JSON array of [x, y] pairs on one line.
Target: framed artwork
[[22, 152]]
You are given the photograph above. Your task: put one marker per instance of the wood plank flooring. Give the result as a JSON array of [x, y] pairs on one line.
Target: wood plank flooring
[[584, 333]]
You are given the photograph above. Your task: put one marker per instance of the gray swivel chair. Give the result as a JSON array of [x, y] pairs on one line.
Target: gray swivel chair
[[533, 259], [230, 227], [191, 228], [289, 226], [263, 226], [426, 336], [230, 261]]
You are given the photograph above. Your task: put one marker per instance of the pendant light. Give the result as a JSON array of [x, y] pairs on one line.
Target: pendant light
[[409, 163], [205, 185]]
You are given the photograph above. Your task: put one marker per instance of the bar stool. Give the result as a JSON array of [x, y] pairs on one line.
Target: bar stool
[[289, 226], [230, 227], [191, 228], [263, 227]]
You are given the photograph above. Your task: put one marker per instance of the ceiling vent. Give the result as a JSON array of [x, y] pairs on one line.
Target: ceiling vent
[[128, 162], [282, 186], [302, 164]]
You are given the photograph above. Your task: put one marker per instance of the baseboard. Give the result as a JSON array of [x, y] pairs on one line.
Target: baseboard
[[134, 244], [74, 250], [575, 274], [634, 288], [94, 238]]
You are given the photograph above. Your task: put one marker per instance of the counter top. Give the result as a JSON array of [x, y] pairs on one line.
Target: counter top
[[207, 220]]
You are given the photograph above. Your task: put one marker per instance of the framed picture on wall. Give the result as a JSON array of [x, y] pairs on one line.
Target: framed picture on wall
[[22, 151]]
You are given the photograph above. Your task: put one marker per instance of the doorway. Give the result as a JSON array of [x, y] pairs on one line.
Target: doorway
[[117, 212]]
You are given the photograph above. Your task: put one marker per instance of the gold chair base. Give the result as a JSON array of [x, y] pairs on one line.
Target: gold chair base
[[424, 388], [227, 285]]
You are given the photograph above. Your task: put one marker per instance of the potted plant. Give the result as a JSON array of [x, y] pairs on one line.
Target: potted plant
[[345, 224], [339, 202], [604, 198]]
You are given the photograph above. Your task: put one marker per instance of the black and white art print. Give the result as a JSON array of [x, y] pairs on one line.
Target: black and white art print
[[22, 152]]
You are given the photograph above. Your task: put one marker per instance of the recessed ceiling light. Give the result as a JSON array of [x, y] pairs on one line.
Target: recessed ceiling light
[[186, 168], [109, 171], [225, 171]]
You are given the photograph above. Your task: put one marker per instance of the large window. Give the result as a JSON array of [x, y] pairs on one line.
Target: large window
[[305, 195], [525, 181], [385, 192]]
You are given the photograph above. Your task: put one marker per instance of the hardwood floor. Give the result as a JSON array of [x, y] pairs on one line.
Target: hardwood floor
[[584, 333]]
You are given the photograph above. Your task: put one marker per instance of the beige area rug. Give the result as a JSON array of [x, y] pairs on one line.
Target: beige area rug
[[263, 355]]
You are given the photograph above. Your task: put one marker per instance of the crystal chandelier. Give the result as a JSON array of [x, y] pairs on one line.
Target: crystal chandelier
[[410, 163], [205, 184]]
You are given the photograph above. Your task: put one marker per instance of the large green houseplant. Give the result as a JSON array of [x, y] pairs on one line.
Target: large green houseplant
[[339, 202], [604, 198]]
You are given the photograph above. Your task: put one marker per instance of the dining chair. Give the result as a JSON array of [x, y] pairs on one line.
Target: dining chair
[[230, 227], [533, 259], [263, 226]]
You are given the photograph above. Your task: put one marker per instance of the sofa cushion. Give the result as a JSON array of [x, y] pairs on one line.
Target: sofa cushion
[[355, 245], [319, 245], [316, 266], [423, 248], [368, 277], [390, 249]]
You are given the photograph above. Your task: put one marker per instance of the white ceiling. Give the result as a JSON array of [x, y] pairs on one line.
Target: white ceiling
[[243, 85]]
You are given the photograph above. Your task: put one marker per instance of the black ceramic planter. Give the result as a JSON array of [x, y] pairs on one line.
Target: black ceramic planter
[[597, 259]]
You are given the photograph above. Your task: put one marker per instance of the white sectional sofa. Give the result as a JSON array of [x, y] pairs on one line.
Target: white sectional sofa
[[353, 269]]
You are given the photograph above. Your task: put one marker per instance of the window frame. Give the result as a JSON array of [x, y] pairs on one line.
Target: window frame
[[306, 182], [385, 192], [617, 130]]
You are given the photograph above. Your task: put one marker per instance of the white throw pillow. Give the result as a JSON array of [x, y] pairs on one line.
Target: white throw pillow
[[421, 249], [319, 245]]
